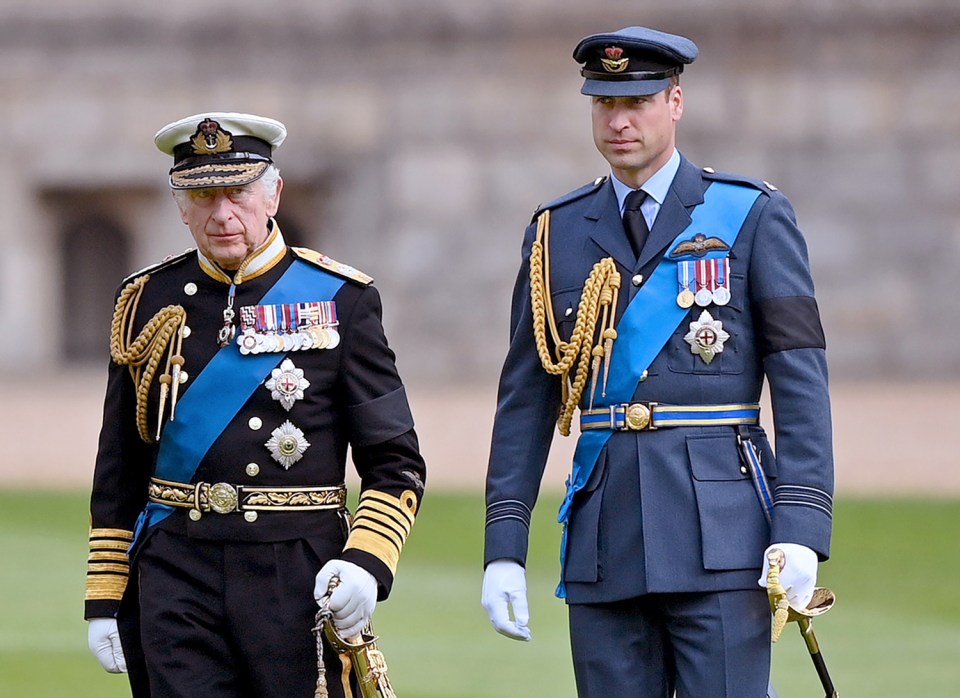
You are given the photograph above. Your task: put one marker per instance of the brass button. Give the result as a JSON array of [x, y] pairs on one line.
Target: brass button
[[637, 280], [250, 516], [253, 469], [184, 377], [644, 375], [255, 423], [195, 515], [185, 332], [568, 312], [190, 289], [743, 469]]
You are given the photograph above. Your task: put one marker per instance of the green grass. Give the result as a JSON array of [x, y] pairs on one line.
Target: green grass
[[895, 630]]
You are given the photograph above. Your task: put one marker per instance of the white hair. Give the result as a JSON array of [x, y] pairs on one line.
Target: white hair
[[270, 178]]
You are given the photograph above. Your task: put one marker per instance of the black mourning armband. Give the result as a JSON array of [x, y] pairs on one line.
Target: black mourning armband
[[380, 419], [788, 323]]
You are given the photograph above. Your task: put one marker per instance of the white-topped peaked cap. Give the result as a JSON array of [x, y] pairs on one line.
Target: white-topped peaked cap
[[219, 149]]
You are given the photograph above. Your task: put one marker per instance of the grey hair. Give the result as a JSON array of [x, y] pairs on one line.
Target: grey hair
[[270, 178]]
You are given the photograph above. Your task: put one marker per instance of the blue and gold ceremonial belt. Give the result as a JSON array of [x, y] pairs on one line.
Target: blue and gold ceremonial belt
[[647, 416]]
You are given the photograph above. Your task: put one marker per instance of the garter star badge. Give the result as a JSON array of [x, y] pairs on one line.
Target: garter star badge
[[287, 444], [286, 384], [706, 337]]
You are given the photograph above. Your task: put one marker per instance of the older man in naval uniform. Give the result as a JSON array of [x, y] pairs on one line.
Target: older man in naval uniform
[[242, 371], [657, 300]]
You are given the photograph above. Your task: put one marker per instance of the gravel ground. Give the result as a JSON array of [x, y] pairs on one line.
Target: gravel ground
[[889, 438]]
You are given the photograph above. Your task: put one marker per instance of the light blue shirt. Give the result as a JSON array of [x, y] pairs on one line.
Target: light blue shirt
[[656, 188]]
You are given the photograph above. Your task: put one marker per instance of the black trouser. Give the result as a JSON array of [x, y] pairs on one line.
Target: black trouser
[[225, 620], [712, 645]]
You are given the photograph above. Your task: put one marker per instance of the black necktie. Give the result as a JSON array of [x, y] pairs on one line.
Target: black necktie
[[634, 222]]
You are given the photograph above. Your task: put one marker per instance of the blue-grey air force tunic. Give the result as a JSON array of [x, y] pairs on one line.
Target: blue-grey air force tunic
[[673, 509]]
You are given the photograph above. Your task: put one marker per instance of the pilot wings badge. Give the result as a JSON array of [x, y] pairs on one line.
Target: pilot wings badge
[[698, 246]]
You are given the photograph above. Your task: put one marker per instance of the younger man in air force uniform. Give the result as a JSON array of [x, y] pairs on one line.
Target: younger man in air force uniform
[[657, 300]]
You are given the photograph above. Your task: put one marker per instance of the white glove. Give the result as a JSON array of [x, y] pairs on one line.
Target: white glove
[[505, 588], [103, 639], [354, 599], [798, 573]]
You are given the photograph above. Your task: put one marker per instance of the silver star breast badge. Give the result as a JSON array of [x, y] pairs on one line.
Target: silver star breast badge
[[286, 384], [287, 444], [706, 337]]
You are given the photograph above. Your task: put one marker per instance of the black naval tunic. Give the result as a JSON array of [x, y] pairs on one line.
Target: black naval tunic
[[247, 576]]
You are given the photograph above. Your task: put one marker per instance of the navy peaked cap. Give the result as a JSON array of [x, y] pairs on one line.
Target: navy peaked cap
[[632, 62]]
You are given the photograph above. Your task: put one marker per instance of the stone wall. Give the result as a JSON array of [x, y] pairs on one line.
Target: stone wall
[[424, 133]]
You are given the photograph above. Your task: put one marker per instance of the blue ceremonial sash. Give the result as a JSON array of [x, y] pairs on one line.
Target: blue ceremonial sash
[[647, 324], [223, 388]]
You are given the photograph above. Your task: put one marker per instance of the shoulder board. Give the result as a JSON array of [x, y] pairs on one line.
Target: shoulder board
[[761, 184], [324, 262], [571, 196], [162, 264]]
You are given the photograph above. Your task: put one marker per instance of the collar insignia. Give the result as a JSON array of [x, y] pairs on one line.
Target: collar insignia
[[211, 139], [614, 62], [698, 246]]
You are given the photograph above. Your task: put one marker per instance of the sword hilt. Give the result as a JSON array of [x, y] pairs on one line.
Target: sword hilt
[[777, 594], [823, 600]]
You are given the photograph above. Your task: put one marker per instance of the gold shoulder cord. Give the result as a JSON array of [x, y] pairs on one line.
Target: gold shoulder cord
[[599, 296], [161, 335]]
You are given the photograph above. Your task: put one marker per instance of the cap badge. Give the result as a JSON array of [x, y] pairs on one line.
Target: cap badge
[[614, 62], [210, 139], [706, 337], [698, 246]]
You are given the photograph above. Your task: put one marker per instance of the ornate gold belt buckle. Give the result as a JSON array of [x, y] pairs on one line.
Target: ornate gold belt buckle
[[223, 498], [636, 417]]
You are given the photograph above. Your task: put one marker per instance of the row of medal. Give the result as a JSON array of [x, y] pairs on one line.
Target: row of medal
[[287, 327], [703, 282]]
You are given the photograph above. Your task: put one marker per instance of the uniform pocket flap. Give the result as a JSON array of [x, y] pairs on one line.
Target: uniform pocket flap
[[715, 458]]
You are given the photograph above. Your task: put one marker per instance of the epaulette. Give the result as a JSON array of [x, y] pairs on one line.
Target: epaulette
[[332, 265], [761, 184], [168, 261], [570, 196]]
